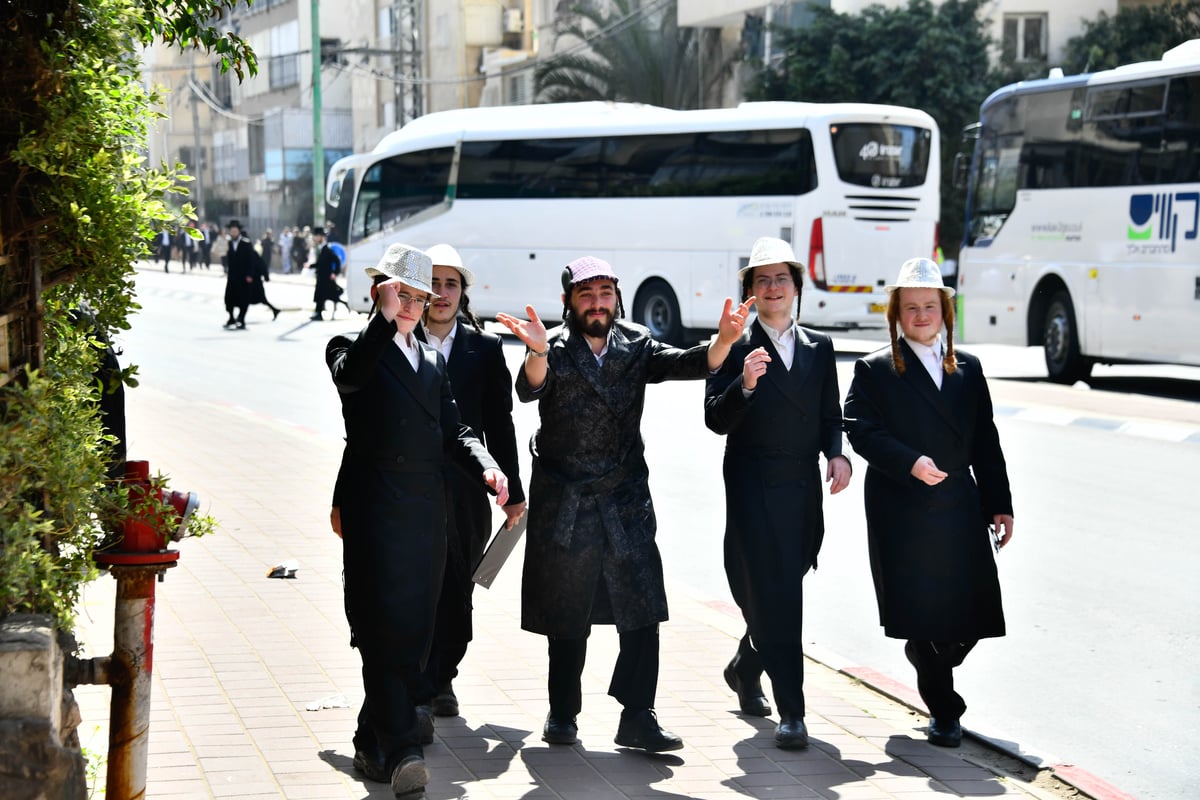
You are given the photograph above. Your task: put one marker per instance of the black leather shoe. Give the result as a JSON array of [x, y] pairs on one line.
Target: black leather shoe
[[445, 703], [945, 733], [560, 730], [750, 694], [425, 724], [642, 731], [410, 777], [371, 764], [790, 733]]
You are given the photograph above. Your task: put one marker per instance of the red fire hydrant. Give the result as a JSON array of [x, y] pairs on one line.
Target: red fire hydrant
[[141, 558]]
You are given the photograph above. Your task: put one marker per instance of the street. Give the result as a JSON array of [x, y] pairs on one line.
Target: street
[[1097, 668]]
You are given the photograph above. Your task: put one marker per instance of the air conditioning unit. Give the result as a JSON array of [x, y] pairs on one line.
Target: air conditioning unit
[[513, 22]]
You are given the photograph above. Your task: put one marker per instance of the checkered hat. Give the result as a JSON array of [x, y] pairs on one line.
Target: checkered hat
[[407, 264]]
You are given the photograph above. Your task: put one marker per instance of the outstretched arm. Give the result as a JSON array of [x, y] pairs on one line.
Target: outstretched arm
[[533, 333], [733, 322]]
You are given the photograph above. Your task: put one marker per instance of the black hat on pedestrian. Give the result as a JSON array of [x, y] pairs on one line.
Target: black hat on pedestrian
[[233, 223], [318, 231]]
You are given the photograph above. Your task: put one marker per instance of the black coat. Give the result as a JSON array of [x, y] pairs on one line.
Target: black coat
[[326, 267], [482, 387], [931, 555], [401, 426], [590, 555], [243, 263], [773, 485]]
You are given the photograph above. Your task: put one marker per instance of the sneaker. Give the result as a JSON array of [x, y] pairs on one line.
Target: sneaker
[[641, 731], [425, 724], [410, 777]]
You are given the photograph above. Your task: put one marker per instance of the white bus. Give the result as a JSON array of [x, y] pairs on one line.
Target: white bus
[[673, 199], [1083, 210]]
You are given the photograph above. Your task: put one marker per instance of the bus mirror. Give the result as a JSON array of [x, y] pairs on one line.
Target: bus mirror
[[962, 163]]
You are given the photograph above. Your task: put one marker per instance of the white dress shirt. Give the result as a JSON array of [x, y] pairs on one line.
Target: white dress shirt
[[931, 359]]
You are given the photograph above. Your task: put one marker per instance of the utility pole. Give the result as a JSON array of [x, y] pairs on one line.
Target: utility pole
[[318, 157], [197, 161]]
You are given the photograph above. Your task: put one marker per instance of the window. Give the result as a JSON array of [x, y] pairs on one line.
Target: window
[[1025, 36], [881, 156], [727, 163], [398, 187]]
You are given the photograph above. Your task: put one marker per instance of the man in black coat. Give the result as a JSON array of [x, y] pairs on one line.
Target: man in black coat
[[327, 267], [401, 427], [482, 388], [777, 400], [921, 415], [590, 555], [244, 265]]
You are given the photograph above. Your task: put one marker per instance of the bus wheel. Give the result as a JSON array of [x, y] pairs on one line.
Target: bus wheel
[[1060, 342], [656, 308]]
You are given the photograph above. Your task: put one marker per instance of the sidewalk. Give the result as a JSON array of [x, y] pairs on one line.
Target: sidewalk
[[256, 689]]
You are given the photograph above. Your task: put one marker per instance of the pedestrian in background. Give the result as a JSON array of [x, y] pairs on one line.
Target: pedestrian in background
[[164, 242], [401, 427], [590, 555], [266, 246], [300, 250], [258, 292], [327, 267], [482, 388], [285, 250], [776, 400], [244, 265], [208, 235], [920, 413]]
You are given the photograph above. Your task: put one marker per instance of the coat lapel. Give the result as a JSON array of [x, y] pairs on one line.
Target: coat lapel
[[605, 381], [418, 383], [790, 382], [919, 379]]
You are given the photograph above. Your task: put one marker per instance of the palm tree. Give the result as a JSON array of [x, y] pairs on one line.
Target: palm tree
[[633, 51]]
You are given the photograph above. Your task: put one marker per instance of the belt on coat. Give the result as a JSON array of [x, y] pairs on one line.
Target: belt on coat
[[598, 487]]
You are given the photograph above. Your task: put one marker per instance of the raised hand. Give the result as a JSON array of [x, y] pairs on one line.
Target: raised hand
[[733, 320], [532, 332]]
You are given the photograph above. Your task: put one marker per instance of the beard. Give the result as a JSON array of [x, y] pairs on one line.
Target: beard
[[595, 326]]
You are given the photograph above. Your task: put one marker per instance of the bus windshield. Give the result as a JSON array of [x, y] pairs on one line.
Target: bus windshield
[[881, 156]]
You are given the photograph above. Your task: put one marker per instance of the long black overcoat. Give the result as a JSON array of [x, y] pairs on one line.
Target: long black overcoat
[[773, 488], [243, 262], [931, 556], [325, 267], [483, 390], [401, 425], [590, 554]]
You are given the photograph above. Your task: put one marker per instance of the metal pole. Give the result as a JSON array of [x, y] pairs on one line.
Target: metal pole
[[129, 675], [318, 160], [197, 165]]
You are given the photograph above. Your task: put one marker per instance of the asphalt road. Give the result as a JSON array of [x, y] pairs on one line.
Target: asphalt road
[[1099, 581]]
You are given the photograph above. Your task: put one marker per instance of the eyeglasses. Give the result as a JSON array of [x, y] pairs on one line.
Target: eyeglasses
[[766, 282], [407, 299]]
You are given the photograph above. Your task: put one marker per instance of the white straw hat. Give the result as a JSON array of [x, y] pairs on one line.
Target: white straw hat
[[443, 255], [920, 273], [769, 250]]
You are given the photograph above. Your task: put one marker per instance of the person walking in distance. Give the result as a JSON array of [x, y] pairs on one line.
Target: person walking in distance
[[402, 426], [326, 267], [244, 265], [776, 400], [483, 391], [590, 555], [920, 413]]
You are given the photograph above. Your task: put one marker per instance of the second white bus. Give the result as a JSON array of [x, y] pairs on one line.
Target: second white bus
[[1083, 217], [673, 199]]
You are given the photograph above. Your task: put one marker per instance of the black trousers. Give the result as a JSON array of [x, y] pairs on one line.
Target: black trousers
[[388, 717], [783, 662], [634, 680], [935, 663]]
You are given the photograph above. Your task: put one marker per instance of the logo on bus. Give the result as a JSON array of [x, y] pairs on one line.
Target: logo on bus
[[872, 151], [1155, 221]]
